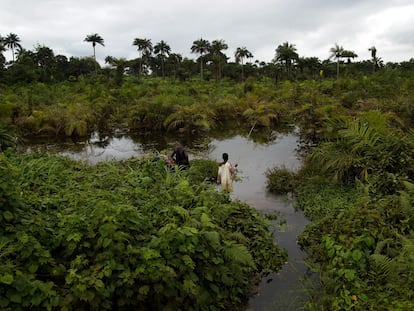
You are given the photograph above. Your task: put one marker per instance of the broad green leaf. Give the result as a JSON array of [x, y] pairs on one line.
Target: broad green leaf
[[106, 242], [74, 237], [7, 279], [144, 290], [33, 268], [8, 216], [22, 237], [99, 283], [17, 298], [357, 255], [206, 220]]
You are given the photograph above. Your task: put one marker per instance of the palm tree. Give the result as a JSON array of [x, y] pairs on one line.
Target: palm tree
[[312, 64], [240, 54], [144, 46], [12, 42], [286, 54], [201, 47], [95, 39], [2, 47], [44, 56], [120, 64], [373, 50], [216, 47], [2, 50], [336, 53], [174, 61], [349, 54], [162, 49]]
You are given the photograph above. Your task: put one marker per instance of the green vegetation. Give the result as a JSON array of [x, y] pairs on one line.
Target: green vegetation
[[78, 108], [280, 180], [124, 235], [356, 186], [79, 236]]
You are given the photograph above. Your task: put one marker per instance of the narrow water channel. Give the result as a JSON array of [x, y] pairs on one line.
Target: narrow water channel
[[284, 290], [278, 291]]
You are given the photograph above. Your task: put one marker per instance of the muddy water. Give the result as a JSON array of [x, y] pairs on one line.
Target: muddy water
[[284, 290], [281, 291]]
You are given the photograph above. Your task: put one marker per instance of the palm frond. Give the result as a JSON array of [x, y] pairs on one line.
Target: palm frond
[[381, 267], [360, 135], [383, 243], [6, 139]]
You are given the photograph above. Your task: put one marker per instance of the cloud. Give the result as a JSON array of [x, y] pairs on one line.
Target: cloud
[[260, 26]]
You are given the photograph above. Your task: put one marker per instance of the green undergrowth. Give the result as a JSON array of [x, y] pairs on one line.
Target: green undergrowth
[[128, 235], [361, 246], [356, 185], [318, 197]]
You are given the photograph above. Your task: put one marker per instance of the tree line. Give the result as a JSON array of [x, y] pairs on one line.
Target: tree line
[[42, 64]]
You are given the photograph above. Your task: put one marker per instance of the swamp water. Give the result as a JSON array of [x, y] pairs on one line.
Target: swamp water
[[278, 291]]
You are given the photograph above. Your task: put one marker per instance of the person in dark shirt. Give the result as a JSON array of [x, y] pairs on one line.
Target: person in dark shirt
[[180, 156]]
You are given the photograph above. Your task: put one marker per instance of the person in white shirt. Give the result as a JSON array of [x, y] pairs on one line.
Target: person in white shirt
[[226, 173]]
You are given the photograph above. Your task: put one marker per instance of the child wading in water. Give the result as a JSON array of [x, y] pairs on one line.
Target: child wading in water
[[225, 174]]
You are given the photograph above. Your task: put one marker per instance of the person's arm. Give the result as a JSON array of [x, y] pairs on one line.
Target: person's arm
[[233, 169]]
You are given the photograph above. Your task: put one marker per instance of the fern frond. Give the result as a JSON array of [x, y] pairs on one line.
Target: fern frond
[[407, 251], [239, 237], [212, 238], [381, 244], [238, 253], [382, 267]]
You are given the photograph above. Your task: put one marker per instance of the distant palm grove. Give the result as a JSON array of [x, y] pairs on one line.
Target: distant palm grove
[[158, 60]]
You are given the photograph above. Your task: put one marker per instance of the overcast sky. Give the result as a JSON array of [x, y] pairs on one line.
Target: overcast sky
[[313, 26]]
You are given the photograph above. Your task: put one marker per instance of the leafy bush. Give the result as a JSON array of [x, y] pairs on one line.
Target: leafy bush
[[280, 180], [361, 246]]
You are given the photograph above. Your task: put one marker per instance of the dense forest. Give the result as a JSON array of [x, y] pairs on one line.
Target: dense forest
[[65, 225]]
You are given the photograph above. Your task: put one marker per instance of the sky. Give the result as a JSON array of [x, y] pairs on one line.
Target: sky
[[312, 26]]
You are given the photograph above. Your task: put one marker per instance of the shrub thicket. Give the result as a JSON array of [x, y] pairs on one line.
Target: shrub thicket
[[124, 235]]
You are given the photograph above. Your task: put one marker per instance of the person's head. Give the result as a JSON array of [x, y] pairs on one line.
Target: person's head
[[225, 157]]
